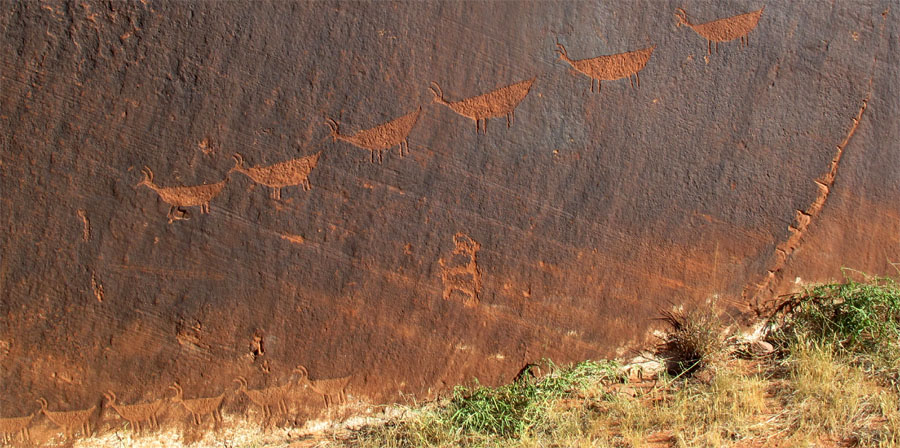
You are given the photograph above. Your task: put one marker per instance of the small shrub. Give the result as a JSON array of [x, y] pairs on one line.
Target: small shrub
[[694, 341], [858, 320], [851, 314]]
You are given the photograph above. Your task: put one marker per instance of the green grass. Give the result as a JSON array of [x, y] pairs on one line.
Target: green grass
[[507, 411], [488, 416]]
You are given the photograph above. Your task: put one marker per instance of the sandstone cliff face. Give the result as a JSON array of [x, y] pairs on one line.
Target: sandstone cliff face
[[531, 214]]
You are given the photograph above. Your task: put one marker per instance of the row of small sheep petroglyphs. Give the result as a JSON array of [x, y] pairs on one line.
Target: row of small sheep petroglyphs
[[332, 390], [497, 103], [277, 176]]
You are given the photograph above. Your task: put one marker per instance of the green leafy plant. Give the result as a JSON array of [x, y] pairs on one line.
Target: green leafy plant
[[508, 410], [851, 316]]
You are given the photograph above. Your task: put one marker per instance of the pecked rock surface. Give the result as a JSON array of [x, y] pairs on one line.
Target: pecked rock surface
[[194, 192]]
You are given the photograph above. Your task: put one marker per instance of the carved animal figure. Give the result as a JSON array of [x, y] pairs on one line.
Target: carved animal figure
[[9, 426], [380, 138], [69, 421], [280, 175], [497, 103], [265, 398], [723, 30], [178, 197], [463, 277], [610, 67], [198, 407], [134, 414], [329, 388]]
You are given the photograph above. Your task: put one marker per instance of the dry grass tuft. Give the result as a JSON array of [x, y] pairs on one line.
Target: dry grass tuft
[[693, 343]]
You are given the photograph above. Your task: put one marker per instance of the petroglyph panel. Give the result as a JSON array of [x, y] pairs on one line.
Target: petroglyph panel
[[729, 175]]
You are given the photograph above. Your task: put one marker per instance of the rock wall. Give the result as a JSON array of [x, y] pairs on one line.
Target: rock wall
[[401, 196]]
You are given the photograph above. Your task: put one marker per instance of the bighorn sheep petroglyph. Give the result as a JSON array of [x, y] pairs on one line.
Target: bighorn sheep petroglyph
[[610, 67], [10, 426], [136, 413], [280, 175], [380, 138], [69, 421], [265, 398], [497, 103], [189, 196], [723, 30], [329, 388], [198, 407]]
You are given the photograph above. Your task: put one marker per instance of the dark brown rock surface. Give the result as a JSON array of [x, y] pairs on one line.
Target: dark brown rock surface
[[561, 236]]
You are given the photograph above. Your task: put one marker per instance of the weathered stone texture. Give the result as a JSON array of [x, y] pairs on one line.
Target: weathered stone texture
[[591, 213]]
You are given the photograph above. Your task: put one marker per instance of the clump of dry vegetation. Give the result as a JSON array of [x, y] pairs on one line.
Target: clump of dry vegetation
[[829, 378], [694, 341]]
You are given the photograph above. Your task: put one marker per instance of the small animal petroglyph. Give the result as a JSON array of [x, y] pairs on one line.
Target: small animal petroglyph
[[380, 138], [134, 414], [69, 421], [329, 388], [178, 197], [497, 103], [198, 407], [723, 30], [464, 277], [280, 175], [10, 426], [267, 398], [610, 67]]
